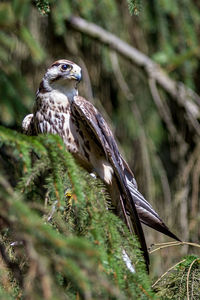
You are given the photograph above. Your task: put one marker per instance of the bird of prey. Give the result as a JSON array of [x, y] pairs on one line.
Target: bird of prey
[[60, 110]]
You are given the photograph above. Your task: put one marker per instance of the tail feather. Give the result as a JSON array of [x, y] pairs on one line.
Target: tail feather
[[154, 222], [147, 214], [124, 207]]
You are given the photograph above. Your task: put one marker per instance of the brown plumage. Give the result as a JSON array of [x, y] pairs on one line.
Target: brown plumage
[[59, 110]]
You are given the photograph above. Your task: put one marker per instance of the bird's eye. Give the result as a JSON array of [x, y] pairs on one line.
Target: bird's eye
[[65, 67]]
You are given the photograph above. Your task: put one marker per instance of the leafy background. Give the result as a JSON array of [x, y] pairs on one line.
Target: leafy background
[[77, 252]]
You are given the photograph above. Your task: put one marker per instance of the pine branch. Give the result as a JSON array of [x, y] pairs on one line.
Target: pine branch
[[82, 244]]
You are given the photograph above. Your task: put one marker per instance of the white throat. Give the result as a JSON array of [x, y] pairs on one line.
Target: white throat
[[66, 87]]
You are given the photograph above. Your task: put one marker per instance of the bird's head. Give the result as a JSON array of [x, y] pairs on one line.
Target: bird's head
[[62, 75], [63, 70]]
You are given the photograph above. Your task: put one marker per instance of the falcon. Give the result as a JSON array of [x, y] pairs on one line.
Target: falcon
[[60, 110]]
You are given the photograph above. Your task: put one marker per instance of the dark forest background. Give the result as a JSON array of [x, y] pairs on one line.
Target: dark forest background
[[140, 62]]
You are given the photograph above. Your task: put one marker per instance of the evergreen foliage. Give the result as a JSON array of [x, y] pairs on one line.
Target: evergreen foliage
[[134, 6], [182, 282], [67, 246], [43, 6]]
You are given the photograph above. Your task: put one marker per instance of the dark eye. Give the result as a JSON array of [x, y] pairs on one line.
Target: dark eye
[[65, 67]]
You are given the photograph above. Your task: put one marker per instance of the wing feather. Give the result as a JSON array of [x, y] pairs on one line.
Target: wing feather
[[27, 124], [92, 118]]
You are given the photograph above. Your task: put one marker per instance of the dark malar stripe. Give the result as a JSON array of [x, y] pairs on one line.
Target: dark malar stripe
[[57, 78], [42, 88]]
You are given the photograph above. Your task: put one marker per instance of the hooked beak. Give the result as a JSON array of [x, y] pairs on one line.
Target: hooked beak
[[77, 76]]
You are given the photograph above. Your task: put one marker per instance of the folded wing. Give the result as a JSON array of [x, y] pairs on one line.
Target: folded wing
[[91, 118]]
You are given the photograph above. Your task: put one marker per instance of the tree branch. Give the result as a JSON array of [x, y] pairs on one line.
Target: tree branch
[[178, 91]]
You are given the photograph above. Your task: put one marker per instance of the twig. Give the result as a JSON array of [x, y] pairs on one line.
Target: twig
[[175, 244], [180, 286], [161, 244], [162, 107], [171, 268], [192, 289], [165, 114], [166, 243], [190, 163], [188, 274], [164, 181]]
